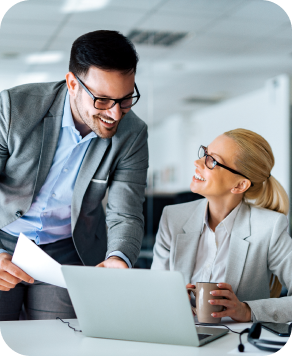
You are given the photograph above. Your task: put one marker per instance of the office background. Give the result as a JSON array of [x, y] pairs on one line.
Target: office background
[[206, 66]]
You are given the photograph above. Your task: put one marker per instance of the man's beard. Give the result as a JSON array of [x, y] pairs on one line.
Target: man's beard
[[94, 123]]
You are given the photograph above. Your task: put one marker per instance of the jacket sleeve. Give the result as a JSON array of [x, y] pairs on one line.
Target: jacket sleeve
[[4, 129], [161, 251], [124, 212], [280, 264]]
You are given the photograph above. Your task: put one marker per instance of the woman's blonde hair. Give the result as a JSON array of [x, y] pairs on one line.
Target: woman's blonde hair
[[255, 159]]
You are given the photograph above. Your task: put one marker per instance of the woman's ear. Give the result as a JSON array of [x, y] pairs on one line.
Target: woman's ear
[[241, 187]]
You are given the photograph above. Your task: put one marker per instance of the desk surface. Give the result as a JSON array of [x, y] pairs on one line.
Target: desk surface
[[52, 337]]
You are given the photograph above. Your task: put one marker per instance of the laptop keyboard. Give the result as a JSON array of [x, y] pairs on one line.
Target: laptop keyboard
[[203, 336]]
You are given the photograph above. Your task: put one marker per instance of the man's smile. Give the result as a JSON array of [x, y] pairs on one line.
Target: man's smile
[[107, 122]]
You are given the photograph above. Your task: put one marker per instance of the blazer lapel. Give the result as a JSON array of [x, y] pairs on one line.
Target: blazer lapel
[[51, 131], [187, 243], [91, 161], [238, 247]]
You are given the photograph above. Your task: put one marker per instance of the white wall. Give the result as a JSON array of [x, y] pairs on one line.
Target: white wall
[[167, 152], [266, 111]]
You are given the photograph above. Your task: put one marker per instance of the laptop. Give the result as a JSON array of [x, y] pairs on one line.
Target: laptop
[[135, 305]]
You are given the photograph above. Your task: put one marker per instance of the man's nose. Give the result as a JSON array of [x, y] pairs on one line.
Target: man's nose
[[115, 112]]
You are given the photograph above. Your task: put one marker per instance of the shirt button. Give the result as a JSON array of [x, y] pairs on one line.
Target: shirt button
[[44, 213], [53, 195], [65, 170], [18, 214]]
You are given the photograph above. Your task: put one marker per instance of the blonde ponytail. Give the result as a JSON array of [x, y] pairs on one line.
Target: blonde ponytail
[[255, 160], [273, 196]]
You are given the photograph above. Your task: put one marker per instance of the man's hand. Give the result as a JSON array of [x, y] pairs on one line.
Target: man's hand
[[235, 309], [113, 262], [10, 275]]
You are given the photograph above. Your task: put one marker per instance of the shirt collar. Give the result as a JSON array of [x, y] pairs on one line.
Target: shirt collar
[[227, 222], [67, 115]]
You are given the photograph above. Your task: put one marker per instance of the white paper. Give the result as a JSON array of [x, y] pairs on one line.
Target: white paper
[[36, 263]]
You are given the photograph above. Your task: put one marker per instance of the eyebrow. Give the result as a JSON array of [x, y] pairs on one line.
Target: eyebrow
[[109, 97], [215, 154]]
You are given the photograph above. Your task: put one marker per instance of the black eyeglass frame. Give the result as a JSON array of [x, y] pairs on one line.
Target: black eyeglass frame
[[216, 163], [94, 98]]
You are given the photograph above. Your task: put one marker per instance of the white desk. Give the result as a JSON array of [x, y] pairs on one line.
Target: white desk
[[54, 338]]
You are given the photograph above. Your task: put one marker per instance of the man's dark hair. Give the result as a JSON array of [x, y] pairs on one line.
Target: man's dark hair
[[107, 50]]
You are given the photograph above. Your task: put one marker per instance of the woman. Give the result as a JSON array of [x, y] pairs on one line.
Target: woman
[[236, 236]]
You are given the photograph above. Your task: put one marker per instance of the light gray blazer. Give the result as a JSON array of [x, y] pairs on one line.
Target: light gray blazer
[[30, 122], [259, 246]]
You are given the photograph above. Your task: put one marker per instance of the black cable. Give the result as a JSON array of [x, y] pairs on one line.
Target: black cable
[[205, 324], [71, 327], [240, 346]]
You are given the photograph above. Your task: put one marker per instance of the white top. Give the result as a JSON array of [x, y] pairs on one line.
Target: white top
[[213, 249]]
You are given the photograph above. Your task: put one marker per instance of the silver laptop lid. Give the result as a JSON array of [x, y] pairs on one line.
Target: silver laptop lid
[[137, 305]]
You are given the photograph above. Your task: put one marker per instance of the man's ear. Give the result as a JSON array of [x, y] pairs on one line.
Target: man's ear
[[72, 84], [241, 187]]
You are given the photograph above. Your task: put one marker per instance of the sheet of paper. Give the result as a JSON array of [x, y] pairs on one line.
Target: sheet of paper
[[35, 262]]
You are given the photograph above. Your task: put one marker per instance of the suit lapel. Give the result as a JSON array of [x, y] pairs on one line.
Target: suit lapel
[[187, 243], [238, 247], [51, 131], [91, 161]]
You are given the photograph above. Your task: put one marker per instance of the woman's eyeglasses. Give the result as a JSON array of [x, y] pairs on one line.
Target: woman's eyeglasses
[[211, 162]]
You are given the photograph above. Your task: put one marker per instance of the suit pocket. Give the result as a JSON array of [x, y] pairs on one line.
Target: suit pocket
[[102, 181]]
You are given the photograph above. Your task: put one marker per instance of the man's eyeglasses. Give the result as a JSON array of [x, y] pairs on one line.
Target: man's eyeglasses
[[211, 162], [108, 103]]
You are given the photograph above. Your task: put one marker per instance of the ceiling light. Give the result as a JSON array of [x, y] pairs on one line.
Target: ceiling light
[[45, 57], [156, 38], [9, 55], [37, 77], [83, 5], [200, 100]]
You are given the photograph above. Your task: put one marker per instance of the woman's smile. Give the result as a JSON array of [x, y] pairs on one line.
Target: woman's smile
[[198, 177]]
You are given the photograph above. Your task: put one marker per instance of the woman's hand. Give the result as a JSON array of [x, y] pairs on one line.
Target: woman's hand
[[189, 285], [235, 309]]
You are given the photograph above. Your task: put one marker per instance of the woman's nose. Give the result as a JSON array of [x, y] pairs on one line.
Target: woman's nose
[[199, 163]]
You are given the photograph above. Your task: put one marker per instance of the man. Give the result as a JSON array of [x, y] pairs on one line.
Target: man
[[61, 145]]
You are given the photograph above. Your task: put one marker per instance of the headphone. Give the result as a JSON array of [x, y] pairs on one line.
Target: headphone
[[253, 338]]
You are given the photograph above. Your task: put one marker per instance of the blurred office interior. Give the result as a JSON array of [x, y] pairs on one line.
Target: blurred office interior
[[206, 66]]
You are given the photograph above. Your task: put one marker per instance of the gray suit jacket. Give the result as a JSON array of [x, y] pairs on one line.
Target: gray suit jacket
[[259, 246], [30, 122]]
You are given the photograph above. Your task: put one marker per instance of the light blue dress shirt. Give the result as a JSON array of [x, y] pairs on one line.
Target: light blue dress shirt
[[49, 217]]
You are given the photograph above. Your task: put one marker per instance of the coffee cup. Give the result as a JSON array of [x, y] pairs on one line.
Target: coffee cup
[[203, 308]]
